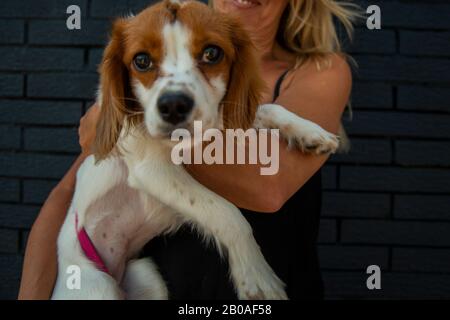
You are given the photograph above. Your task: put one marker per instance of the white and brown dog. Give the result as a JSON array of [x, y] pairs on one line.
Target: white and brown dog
[[171, 65]]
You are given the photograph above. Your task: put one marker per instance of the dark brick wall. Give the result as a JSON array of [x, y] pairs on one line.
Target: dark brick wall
[[385, 203]]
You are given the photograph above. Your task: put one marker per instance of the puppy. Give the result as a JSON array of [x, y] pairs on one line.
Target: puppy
[[171, 65]]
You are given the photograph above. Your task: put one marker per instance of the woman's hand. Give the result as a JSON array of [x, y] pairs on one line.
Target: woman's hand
[[87, 128]]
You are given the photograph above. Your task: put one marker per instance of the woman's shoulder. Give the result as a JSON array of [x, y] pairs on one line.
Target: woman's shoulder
[[319, 94], [331, 80], [334, 68]]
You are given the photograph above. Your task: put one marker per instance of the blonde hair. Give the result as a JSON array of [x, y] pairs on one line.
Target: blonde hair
[[308, 29]]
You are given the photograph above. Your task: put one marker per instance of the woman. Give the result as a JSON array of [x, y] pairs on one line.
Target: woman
[[306, 72]]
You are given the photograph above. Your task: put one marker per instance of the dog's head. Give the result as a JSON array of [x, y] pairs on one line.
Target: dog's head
[[173, 64]]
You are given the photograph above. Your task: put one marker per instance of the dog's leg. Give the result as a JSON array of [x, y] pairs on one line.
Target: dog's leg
[[142, 281], [95, 180], [299, 132], [215, 217]]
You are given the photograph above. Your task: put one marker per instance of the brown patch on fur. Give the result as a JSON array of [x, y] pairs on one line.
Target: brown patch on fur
[[128, 38], [114, 83], [245, 85]]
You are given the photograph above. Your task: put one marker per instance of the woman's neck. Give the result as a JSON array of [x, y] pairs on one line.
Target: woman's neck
[[264, 41], [267, 47]]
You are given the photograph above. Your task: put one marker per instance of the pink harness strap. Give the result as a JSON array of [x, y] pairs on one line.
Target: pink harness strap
[[88, 247]]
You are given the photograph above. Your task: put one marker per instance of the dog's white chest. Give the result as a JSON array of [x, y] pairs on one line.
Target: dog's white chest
[[121, 222]]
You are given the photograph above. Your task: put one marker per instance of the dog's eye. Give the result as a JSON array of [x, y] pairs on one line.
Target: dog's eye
[[212, 55], [142, 62]]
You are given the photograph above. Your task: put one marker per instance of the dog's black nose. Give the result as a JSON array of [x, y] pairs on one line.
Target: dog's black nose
[[174, 107]]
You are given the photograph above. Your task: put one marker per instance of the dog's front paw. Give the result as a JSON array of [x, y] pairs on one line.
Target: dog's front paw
[[298, 132], [316, 141]]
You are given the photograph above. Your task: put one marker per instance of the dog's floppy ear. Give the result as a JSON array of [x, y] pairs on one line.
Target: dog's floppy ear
[[114, 93], [245, 83]]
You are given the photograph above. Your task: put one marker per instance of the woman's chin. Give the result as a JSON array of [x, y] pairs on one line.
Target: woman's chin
[[249, 15]]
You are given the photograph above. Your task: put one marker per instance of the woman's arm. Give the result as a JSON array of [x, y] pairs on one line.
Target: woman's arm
[[319, 96], [40, 264]]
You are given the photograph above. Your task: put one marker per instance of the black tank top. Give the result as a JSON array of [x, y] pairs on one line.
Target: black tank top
[[193, 269]]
